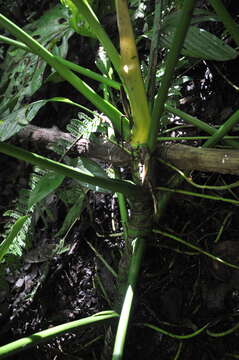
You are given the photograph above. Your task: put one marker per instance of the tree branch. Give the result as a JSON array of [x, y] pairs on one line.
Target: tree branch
[[185, 157], [101, 149]]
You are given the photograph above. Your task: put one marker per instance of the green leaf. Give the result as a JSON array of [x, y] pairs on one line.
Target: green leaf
[[199, 16], [51, 28], [23, 72], [72, 215], [22, 75], [54, 78], [16, 228], [90, 167], [16, 120], [84, 126], [8, 104], [199, 43], [77, 21], [47, 184]]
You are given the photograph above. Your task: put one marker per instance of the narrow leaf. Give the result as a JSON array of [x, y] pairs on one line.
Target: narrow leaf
[[5, 245], [72, 215], [47, 184]]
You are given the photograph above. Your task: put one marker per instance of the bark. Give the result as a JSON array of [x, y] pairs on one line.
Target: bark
[[184, 157], [223, 161], [101, 149]]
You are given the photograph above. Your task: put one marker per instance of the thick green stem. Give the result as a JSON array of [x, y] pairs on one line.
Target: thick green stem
[[132, 77], [139, 228], [136, 260]]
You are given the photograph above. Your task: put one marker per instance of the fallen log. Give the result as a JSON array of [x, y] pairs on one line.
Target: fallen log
[[184, 157], [101, 149]]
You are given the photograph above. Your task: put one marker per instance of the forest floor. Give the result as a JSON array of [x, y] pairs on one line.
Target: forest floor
[[179, 289]]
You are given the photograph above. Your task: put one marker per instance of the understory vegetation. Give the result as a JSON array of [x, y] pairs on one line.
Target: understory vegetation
[[119, 180]]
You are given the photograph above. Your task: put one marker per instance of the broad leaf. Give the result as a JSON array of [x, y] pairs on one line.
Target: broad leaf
[[47, 184], [199, 43], [23, 72], [51, 28], [12, 123]]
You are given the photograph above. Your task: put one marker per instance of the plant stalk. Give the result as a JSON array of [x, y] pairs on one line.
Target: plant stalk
[[136, 260], [171, 61], [131, 76], [46, 335]]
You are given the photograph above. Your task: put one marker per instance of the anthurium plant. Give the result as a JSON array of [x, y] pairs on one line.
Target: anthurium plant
[[134, 130]]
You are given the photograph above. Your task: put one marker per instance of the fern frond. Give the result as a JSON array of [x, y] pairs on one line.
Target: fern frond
[[84, 126], [24, 237]]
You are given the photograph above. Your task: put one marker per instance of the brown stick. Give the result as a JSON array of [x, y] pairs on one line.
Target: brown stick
[[101, 149], [182, 156]]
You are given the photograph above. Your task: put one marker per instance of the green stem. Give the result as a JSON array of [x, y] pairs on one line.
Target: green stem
[[171, 61], [46, 335], [230, 24], [175, 336], [194, 247], [223, 130], [85, 10], [190, 193], [224, 333], [193, 138], [113, 113], [154, 51], [199, 124], [69, 64], [89, 73], [13, 42], [113, 185], [191, 182], [138, 250], [123, 213]]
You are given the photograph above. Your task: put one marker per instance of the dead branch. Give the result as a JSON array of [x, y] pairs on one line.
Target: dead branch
[[101, 149], [184, 157], [224, 161]]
